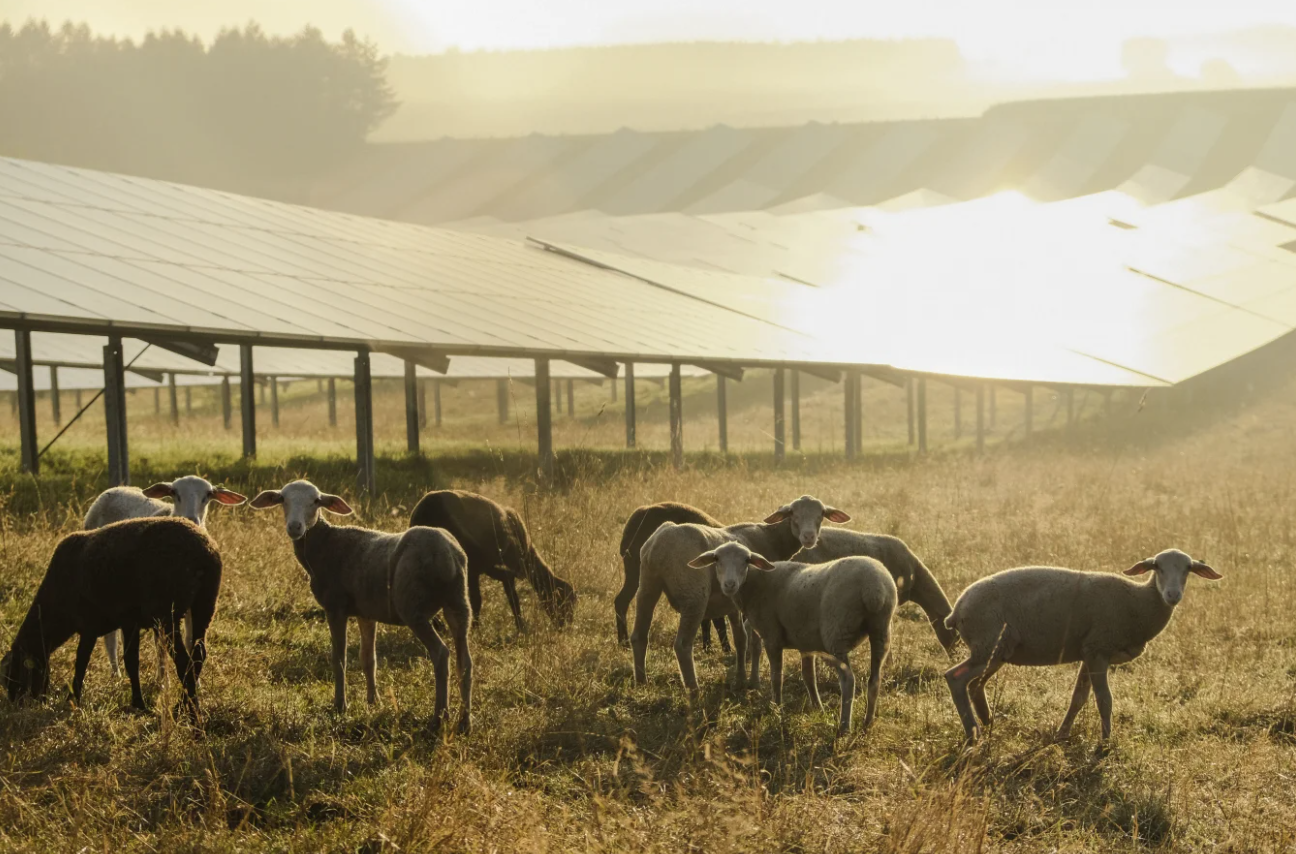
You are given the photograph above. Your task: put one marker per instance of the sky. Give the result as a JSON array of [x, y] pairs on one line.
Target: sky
[[1030, 38]]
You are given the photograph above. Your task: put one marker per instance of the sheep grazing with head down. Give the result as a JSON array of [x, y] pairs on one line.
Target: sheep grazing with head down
[[1037, 616], [398, 579], [696, 595], [191, 494], [131, 575], [498, 546], [824, 610]]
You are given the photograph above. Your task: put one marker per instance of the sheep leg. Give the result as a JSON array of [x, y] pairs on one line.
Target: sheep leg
[[510, 593], [1078, 698], [846, 681], [649, 592], [440, 655], [706, 635], [742, 647], [754, 643], [337, 621], [621, 604], [1102, 693], [187, 667], [111, 646], [688, 627], [811, 684], [160, 648], [369, 658], [474, 593], [722, 635], [84, 649], [130, 657], [977, 690], [958, 677], [775, 657], [459, 623], [879, 645]]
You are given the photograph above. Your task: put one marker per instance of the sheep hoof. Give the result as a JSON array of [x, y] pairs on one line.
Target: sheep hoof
[[465, 726]]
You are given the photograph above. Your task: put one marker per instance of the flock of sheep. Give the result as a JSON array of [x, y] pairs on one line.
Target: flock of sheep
[[784, 583]]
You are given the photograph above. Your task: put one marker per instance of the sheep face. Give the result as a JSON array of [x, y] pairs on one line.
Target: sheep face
[[731, 562], [1172, 568], [806, 516], [191, 495], [301, 501], [24, 675]]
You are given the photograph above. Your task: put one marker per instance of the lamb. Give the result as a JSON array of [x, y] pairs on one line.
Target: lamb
[[1036, 616], [498, 545], [664, 569], [827, 609], [129, 575], [397, 579], [914, 581], [191, 494], [638, 528]]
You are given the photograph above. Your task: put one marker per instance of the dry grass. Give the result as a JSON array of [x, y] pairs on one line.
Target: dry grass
[[568, 755]]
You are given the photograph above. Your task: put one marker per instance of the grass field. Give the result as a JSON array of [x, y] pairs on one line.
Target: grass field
[[567, 754]]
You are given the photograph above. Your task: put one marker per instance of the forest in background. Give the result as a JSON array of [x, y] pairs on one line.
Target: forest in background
[[246, 110]]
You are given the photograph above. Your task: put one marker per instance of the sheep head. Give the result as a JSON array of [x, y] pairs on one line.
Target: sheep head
[[731, 562], [806, 516], [191, 495], [301, 501], [1172, 568]]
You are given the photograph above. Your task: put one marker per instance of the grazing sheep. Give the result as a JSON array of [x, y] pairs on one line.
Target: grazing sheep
[[131, 575], [191, 494], [397, 579], [914, 581], [498, 545], [826, 609], [664, 569], [1038, 616], [638, 528]]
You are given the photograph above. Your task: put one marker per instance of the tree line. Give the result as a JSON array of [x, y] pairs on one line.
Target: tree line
[[239, 112]]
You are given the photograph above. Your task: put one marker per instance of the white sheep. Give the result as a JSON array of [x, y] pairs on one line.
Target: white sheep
[[1038, 616], [826, 609], [398, 579], [191, 495], [664, 569]]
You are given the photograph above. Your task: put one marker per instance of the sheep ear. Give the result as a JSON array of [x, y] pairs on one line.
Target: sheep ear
[[779, 515], [832, 514], [1204, 571], [703, 560], [227, 496], [759, 562], [160, 490], [1142, 567], [269, 498], [335, 504]]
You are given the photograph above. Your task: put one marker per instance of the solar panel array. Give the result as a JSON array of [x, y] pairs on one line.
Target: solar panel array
[[82, 249], [1152, 147], [1000, 288]]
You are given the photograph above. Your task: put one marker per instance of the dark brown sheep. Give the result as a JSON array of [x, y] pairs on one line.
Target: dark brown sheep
[[131, 575], [638, 528], [498, 546]]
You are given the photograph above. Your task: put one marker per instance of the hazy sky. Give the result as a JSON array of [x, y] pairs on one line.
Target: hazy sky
[[1050, 38]]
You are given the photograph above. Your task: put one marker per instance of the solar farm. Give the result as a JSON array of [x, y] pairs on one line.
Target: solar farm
[[1004, 346]]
